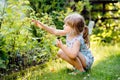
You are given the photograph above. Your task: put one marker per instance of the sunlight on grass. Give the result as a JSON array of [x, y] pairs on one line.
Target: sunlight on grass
[[102, 52]]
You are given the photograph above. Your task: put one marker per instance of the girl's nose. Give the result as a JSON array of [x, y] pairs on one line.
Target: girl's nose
[[63, 25]]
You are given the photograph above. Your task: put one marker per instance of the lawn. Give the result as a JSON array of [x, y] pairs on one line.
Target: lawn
[[106, 67]]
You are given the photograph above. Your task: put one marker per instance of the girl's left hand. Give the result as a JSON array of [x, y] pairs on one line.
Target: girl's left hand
[[59, 43]]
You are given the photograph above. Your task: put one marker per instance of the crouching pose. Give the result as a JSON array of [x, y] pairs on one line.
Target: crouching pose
[[77, 51]]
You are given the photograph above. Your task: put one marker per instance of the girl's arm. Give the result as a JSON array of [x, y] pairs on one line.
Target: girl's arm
[[50, 29], [71, 52]]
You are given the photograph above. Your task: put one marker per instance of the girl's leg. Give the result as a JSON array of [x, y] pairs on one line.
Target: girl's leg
[[82, 59], [75, 62]]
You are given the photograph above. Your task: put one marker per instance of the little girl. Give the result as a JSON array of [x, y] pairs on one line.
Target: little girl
[[77, 51]]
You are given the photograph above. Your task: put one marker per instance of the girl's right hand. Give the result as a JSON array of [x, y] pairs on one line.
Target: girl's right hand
[[59, 43], [37, 23]]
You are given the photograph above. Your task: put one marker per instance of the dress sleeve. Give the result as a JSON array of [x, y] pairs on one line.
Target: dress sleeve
[[80, 39]]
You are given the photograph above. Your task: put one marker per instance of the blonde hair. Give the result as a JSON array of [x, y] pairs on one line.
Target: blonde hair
[[77, 22]]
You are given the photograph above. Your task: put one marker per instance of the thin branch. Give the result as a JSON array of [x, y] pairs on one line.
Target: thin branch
[[2, 13]]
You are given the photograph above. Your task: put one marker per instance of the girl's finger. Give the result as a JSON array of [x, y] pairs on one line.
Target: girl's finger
[[57, 41], [33, 20]]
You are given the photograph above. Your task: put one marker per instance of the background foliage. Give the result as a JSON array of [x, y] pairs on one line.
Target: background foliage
[[107, 30], [23, 45]]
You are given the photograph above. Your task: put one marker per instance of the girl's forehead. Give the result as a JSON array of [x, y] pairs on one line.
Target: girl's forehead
[[67, 22]]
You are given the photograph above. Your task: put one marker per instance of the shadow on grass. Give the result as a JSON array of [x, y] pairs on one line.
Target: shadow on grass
[[62, 74]]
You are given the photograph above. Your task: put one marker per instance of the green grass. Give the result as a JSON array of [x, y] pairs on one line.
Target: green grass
[[106, 67]]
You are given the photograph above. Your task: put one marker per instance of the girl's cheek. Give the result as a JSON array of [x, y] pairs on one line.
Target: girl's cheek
[[69, 28], [66, 28]]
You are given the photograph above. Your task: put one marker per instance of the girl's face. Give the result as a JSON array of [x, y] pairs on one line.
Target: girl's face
[[67, 27]]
